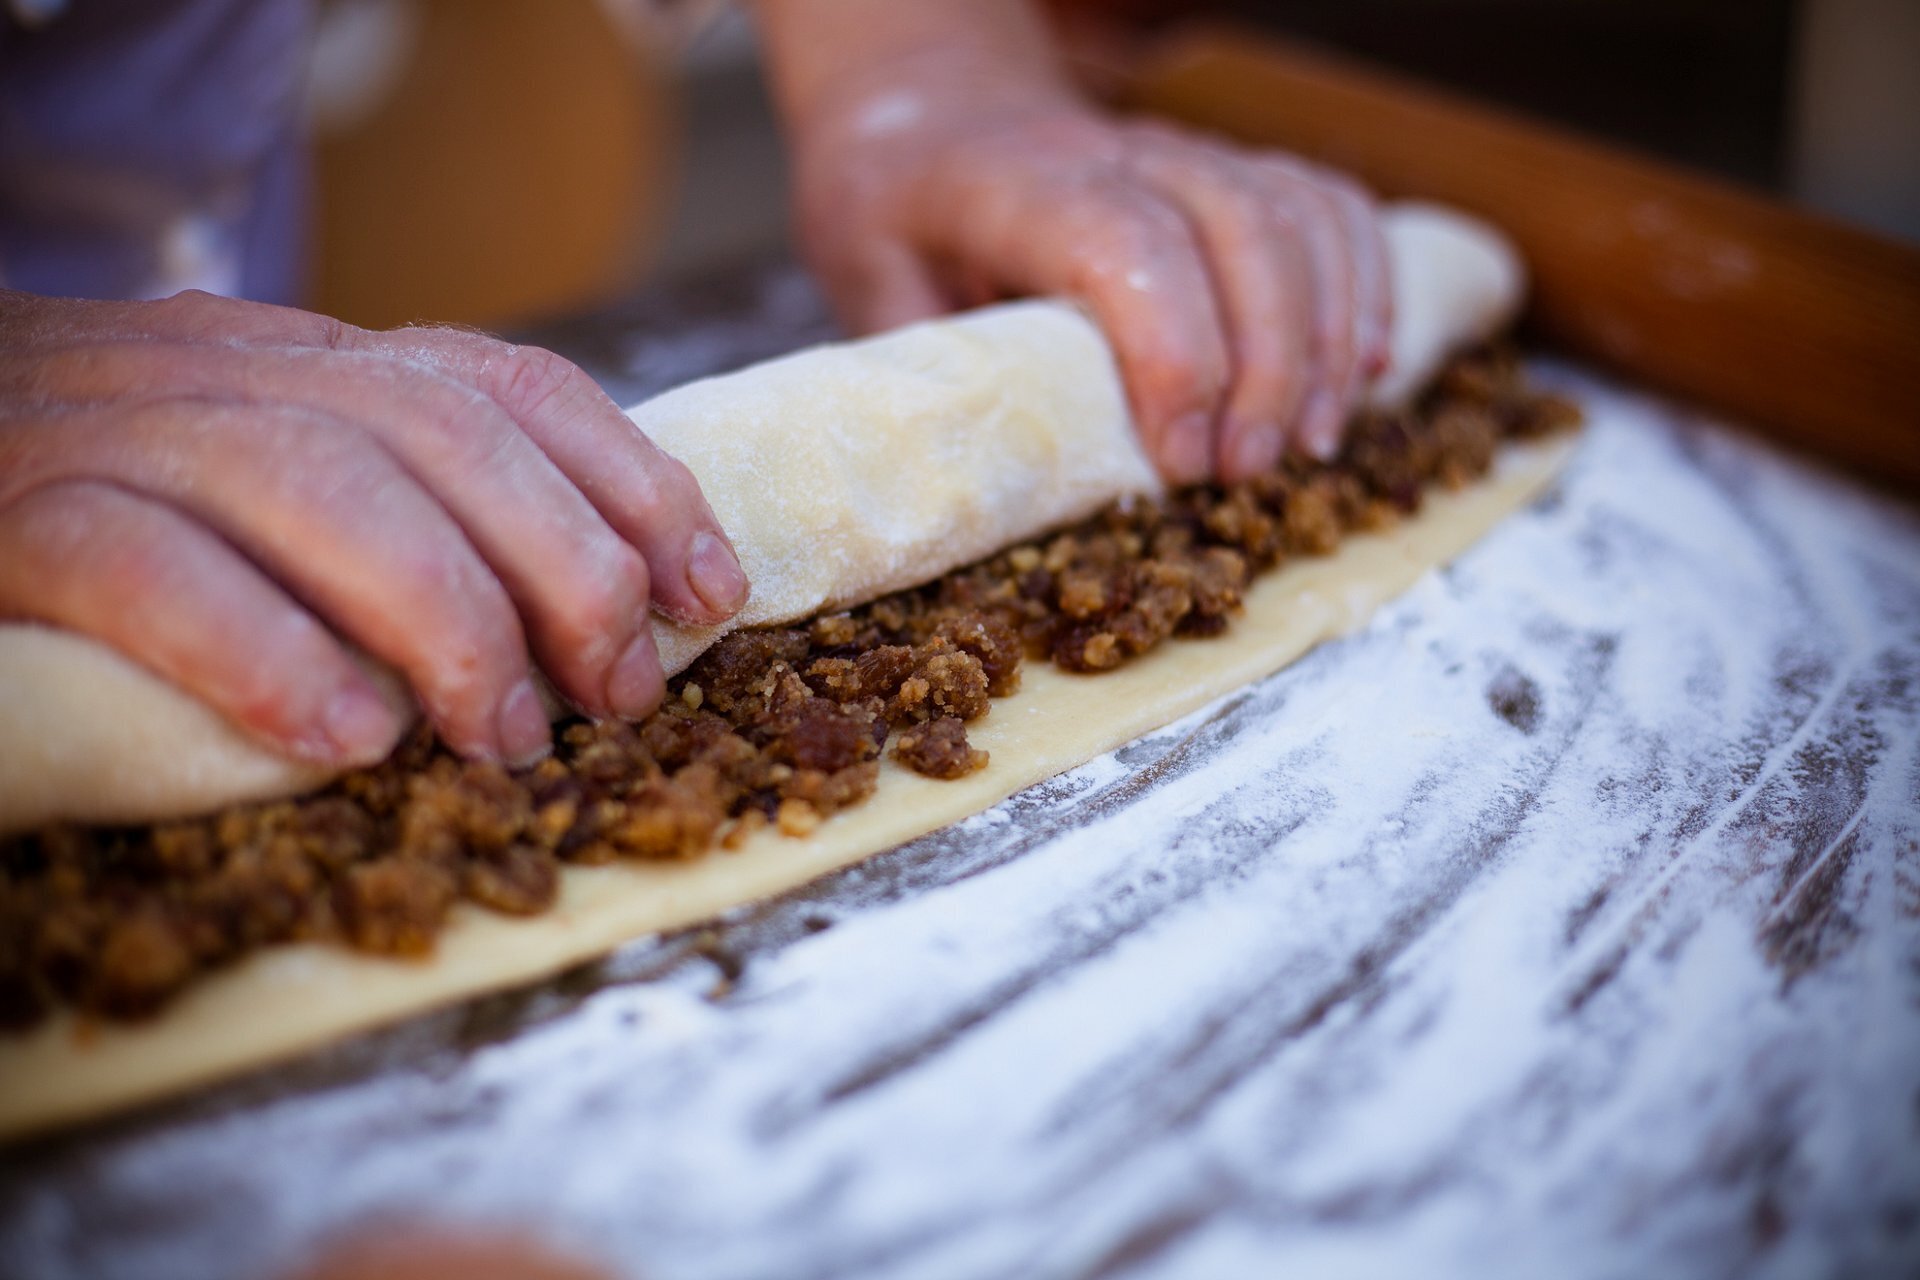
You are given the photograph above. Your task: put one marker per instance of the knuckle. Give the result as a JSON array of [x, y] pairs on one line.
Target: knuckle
[[532, 378], [1288, 172], [342, 477], [657, 485], [607, 602], [50, 525], [1148, 227], [450, 418], [1347, 192], [200, 306], [1265, 371], [190, 311], [1335, 342], [1287, 220], [278, 681], [1171, 389], [127, 564], [1323, 212], [194, 301], [327, 333], [84, 530], [1126, 230], [671, 477], [491, 613], [1267, 385], [1244, 203], [457, 419], [1232, 211], [451, 578], [629, 581], [477, 647]]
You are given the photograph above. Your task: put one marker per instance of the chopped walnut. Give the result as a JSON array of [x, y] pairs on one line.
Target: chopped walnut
[[939, 749]]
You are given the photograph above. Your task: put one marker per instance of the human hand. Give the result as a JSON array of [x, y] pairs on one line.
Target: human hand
[[227, 491], [418, 1252], [1245, 292]]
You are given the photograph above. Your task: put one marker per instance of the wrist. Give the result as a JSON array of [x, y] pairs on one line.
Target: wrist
[[879, 65], [931, 92]]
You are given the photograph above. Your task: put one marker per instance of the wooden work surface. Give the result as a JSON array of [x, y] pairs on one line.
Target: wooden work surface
[[1566, 922]]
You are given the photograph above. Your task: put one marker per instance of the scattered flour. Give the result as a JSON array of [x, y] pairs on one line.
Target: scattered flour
[[1561, 922]]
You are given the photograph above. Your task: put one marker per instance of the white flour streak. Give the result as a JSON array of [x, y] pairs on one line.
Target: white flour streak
[[1562, 922]]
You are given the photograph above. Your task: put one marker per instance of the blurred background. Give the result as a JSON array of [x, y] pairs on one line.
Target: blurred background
[[492, 162]]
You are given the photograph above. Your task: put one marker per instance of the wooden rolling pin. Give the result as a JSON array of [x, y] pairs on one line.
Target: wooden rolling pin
[[1790, 322]]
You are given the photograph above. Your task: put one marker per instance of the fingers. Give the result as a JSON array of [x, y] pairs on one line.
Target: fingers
[[1145, 275], [1353, 302], [1264, 284], [1146, 279], [1132, 257], [348, 531], [141, 577], [1311, 217], [1245, 295], [1373, 274], [427, 492], [648, 497], [580, 589]]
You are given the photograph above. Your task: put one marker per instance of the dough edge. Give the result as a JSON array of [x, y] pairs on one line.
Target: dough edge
[[288, 1000]]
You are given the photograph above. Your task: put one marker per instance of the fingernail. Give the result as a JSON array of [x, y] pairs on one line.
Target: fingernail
[[715, 574], [524, 734], [1258, 450], [359, 725], [1322, 426], [1371, 344], [1189, 448], [637, 684], [1379, 357]]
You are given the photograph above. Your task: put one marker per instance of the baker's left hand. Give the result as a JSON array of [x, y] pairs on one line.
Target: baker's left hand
[[1245, 292]]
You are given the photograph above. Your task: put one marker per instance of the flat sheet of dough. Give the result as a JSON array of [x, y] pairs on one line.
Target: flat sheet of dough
[[842, 472], [282, 1002]]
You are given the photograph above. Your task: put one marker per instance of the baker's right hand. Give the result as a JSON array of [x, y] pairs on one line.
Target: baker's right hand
[[227, 491]]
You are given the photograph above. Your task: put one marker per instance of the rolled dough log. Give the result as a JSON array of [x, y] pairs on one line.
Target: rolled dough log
[[842, 473]]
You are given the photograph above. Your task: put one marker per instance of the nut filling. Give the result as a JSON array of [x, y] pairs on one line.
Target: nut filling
[[778, 727]]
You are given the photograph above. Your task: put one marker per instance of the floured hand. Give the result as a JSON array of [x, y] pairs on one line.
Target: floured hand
[[231, 493], [942, 161]]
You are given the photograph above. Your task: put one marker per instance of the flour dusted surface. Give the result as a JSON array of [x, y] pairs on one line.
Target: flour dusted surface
[[1560, 923]]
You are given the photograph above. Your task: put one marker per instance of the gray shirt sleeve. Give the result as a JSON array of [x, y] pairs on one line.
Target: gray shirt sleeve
[[148, 146]]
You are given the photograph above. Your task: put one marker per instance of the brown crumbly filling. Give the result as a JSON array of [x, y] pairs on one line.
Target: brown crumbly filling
[[777, 727]]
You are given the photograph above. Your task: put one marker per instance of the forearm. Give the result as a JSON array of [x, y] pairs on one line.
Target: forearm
[[831, 56]]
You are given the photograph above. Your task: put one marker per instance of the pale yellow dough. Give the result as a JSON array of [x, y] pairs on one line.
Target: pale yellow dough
[[281, 1002]]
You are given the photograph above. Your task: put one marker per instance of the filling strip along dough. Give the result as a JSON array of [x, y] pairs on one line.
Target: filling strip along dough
[[291, 999]]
